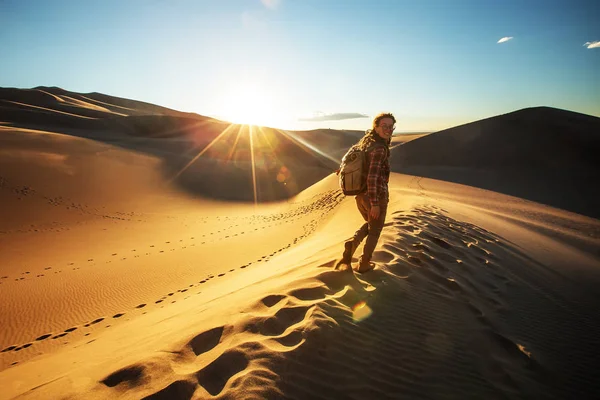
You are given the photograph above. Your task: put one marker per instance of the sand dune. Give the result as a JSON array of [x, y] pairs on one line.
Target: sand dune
[[201, 154], [470, 305], [541, 154], [118, 282], [402, 138], [57, 98], [337, 142]]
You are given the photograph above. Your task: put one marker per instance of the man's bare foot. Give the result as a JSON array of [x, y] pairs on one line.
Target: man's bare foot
[[343, 266], [362, 268]]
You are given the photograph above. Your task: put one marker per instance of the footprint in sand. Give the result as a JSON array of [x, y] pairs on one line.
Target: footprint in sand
[[309, 294], [272, 300], [131, 375], [292, 339], [206, 341], [215, 376], [26, 345], [278, 323], [60, 335]]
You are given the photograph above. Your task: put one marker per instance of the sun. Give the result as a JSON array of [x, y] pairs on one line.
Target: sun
[[248, 104]]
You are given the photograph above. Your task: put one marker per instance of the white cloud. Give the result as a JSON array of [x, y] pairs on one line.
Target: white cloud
[[505, 39], [272, 4], [593, 45], [321, 116]]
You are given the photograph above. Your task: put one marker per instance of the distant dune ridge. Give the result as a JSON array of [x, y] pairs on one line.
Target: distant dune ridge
[[149, 253], [139, 126], [541, 154]]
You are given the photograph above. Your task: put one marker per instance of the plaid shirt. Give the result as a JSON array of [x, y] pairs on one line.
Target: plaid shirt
[[379, 174]]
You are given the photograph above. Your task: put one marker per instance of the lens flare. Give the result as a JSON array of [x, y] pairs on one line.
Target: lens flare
[[284, 174], [212, 143], [251, 136], [361, 311]]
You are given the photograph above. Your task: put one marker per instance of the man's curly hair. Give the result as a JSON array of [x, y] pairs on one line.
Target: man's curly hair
[[369, 136], [381, 116]]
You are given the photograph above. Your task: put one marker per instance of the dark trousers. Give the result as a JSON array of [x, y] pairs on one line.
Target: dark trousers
[[371, 229]]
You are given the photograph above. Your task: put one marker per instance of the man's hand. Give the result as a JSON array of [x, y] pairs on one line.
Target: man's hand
[[374, 213]]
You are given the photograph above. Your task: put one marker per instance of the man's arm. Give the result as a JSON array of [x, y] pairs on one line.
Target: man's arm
[[375, 168]]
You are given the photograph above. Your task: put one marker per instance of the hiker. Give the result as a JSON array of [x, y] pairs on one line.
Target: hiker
[[372, 203]]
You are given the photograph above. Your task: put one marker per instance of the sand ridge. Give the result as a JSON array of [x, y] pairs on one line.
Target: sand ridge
[[452, 307], [542, 154], [113, 289]]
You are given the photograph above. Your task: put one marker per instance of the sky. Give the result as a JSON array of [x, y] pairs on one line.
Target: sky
[[307, 64]]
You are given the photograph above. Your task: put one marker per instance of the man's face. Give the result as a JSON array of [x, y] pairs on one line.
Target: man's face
[[385, 128]]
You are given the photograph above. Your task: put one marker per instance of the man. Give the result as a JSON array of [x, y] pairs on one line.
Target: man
[[373, 203]]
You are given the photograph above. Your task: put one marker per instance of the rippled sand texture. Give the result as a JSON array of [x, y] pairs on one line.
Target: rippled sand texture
[[118, 281]]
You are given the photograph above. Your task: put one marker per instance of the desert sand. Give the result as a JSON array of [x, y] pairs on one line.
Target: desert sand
[[147, 253]]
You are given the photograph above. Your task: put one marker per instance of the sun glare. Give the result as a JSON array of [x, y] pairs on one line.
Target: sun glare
[[249, 105]]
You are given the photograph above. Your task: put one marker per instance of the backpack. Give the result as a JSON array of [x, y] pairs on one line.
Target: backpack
[[354, 170]]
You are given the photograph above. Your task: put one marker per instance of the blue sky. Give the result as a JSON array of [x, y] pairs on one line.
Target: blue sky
[[304, 64]]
